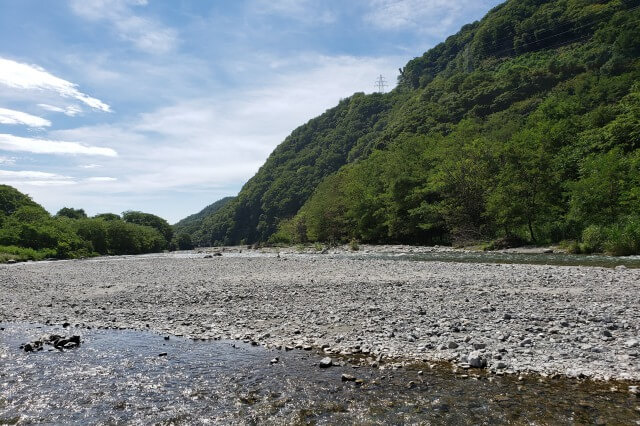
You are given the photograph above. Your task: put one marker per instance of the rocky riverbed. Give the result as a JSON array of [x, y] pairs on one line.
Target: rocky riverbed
[[508, 318]]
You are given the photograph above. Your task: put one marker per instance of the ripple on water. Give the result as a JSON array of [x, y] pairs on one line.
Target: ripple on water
[[118, 377]]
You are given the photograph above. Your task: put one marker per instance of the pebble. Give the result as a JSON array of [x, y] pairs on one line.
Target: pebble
[[535, 317]]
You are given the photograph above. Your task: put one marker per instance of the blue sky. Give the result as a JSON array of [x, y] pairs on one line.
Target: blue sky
[[167, 106]]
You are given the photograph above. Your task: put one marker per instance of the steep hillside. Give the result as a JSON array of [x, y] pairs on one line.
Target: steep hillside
[[192, 223], [291, 173], [523, 125]]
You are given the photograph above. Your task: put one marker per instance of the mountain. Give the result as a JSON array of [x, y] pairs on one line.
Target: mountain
[[524, 125], [192, 223]]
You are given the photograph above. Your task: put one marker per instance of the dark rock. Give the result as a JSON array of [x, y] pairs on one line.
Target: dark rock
[[511, 241], [348, 378], [162, 354]]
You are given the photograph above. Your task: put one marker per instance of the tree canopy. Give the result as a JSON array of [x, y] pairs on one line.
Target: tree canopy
[[28, 231]]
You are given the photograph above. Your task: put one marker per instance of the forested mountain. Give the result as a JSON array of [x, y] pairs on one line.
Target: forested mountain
[[523, 125], [29, 232], [191, 224]]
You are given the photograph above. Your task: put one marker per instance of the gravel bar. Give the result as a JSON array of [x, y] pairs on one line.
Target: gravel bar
[[511, 319]]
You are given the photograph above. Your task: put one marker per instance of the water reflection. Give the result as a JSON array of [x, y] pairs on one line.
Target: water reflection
[[117, 377]]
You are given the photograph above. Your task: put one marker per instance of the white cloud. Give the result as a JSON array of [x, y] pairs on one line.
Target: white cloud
[[31, 77], [222, 140], [43, 146], [28, 174], [101, 179], [10, 116], [70, 110], [146, 34], [433, 17], [7, 161], [26, 183], [34, 178], [90, 166]]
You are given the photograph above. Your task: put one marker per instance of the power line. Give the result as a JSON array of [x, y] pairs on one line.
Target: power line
[[553, 36], [380, 84], [540, 31]]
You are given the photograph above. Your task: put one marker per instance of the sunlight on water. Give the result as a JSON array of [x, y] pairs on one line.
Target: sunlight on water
[[118, 376]]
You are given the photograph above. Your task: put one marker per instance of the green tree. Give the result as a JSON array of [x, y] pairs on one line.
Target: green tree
[[72, 213], [148, 219]]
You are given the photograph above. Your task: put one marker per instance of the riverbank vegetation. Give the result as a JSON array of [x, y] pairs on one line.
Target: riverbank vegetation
[[523, 126], [29, 232]]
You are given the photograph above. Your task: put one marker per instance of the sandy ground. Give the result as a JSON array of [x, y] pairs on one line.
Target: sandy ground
[[574, 321]]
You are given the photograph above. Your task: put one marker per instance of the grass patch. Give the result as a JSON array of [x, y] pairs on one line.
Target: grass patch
[[21, 254]]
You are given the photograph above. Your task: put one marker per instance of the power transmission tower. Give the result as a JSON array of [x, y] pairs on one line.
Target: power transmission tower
[[380, 84]]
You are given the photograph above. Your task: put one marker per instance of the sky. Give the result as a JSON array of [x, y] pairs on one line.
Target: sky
[[168, 106]]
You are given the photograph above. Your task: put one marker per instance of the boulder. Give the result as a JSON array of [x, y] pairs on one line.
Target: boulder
[[477, 360], [326, 362]]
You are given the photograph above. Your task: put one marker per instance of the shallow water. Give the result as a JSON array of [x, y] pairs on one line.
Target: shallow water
[[117, 377]]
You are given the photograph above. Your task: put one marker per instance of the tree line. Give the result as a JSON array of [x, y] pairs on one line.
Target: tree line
[[29, 232]]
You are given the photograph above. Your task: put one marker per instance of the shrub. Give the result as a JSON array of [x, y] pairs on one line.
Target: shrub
[[22, 253], [593, 239], [623, 239]]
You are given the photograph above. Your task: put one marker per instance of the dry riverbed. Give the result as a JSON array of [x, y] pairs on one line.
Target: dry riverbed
[[574, 321]]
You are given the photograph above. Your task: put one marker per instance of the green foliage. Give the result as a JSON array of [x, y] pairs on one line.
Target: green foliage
[[22, 254], [11, 200], [150, 220], [623, 238], [191, 224], [130, 238], [107, 216], [95, 232], [593, 239], [71, 213], [28, 232], [524, 126], [182, 241]]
